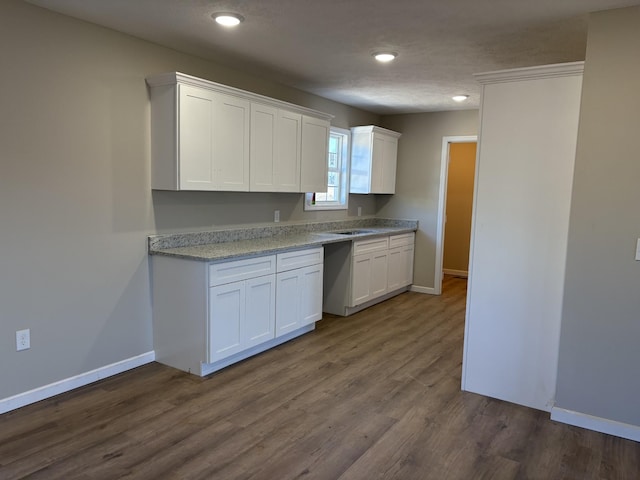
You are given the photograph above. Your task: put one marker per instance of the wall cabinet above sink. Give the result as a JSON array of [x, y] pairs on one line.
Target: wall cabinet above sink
[[208, 136]]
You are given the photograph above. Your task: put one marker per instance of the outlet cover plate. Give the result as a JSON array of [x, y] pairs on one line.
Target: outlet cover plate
[[23, 340]]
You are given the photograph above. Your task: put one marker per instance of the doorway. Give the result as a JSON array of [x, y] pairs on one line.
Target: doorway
[[457, 178]]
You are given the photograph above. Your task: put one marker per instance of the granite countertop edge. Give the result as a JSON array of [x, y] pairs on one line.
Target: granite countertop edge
[[225, 244]]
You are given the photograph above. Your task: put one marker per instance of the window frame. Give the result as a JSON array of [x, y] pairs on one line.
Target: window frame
[[344, 174]]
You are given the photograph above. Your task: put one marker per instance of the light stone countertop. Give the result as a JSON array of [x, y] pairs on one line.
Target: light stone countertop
[[236, 243]]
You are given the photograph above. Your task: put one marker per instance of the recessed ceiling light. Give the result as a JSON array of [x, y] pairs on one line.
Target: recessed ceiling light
[[460, 98], [228, 19], [385, 57]]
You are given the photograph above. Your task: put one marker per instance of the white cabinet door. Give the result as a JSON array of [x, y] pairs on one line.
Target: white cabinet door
[[262, 166], [360, 279], [385, 157], [408, 251], [400, 267], [396, 268], [288, 148], [315, 147], [196, 145], [259, 320], [288, 286], [311, 294], [226, 313], [378, 274], [387, 183], [231, 143]]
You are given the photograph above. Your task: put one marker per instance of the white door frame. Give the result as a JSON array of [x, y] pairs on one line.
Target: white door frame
[[442, 203]]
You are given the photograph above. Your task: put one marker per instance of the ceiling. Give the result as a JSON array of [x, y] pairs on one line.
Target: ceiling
[[325, 46]]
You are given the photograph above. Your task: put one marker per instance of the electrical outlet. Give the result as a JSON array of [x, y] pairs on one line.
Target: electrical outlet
[[359, 211], [276, 216], [23, 340], [638, 250]]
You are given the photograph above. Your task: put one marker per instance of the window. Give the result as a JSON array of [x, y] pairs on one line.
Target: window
[[337, 195]]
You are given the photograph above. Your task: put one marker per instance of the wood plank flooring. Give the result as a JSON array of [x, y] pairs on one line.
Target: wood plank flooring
[[372, 396]]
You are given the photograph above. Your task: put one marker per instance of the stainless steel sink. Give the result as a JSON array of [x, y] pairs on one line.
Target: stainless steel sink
[[354, 232]]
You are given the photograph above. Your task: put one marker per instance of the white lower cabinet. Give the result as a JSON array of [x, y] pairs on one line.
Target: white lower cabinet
[[241, 315], [298, 289], [207, 316], [401, 250], [369, 277], [367, 271]]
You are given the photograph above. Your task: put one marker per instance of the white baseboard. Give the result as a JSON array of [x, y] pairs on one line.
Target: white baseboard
[[455, 273], [46, 391], [419, 289], [598, 424]]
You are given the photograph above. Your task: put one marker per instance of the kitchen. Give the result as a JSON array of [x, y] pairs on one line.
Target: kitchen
[[77, 207]]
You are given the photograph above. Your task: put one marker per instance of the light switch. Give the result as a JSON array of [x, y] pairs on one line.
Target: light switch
[[638, 250]]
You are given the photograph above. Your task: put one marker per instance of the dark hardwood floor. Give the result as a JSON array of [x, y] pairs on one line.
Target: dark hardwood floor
[[372, 396]]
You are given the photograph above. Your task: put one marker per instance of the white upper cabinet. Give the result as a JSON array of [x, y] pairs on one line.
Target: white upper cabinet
[[315, 149], [374, 155], [276, 137], [207, 136]]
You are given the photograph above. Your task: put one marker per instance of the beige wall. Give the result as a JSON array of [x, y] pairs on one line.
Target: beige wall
[[75, 198], [418, 178], [600, 337], [457, 231]]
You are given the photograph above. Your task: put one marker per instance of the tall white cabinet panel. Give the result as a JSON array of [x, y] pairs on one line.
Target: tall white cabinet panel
[[374, 156], [208, 136], [526, 152], [315, 147]]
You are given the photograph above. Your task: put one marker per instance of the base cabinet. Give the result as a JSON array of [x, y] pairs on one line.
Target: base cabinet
[[299, 289], [369, 279], [366, 272], [401, 250], [241, 315], [208, 316]]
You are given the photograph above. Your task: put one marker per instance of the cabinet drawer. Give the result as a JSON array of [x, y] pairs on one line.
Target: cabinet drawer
[[370, 245], [402, 239], [235, 270], [300, 258]]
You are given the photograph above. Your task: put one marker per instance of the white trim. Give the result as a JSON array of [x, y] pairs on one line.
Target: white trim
[[531, 73], [427, 290], [62, 386], [173, 78], [598, 424], [442, 203], [456, 273]]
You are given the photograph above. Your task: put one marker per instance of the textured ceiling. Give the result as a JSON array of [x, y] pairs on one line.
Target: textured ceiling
[[325, 46]]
